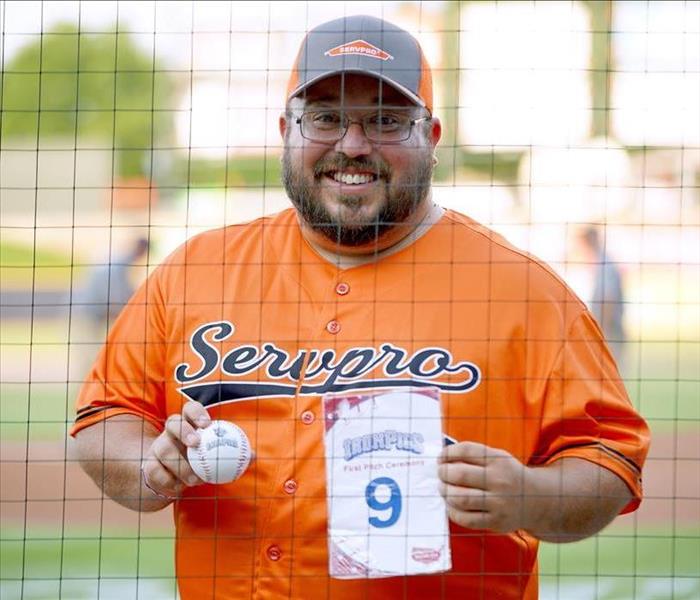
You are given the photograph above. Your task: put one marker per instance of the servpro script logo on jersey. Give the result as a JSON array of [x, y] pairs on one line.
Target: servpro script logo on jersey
[[359, 47], [321, 371]]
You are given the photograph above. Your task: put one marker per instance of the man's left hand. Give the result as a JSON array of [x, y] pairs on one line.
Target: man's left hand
[[484, 487]]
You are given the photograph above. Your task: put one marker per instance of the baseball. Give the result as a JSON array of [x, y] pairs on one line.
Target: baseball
[[223, 454]]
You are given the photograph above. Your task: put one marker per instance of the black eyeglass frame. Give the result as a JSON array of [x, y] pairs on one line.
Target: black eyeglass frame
[[361, 123]]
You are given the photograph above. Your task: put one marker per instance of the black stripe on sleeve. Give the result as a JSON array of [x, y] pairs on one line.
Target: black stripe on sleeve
[[616, 454], [89, 411]]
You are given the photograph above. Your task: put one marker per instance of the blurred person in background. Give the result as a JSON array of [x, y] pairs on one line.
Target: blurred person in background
[[607, 301], [99, 300], [110, 286]]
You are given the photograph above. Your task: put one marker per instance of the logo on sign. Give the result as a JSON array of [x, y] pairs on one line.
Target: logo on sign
[[383, 440], [425, 555], [361, 48]]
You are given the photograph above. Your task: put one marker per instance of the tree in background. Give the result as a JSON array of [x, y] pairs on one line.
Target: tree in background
[[89, 86]]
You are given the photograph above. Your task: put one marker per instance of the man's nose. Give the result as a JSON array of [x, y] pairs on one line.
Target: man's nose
[[354, 142]]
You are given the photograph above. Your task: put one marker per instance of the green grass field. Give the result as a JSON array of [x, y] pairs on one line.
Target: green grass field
[[619, 565], [91, 566]]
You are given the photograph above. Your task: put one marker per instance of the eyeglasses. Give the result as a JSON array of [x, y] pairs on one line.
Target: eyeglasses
[[381, 127]]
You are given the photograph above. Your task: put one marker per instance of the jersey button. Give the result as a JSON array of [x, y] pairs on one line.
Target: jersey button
[[290, 486], [342, 288], [307, 417], [274, 552], [333, 327]]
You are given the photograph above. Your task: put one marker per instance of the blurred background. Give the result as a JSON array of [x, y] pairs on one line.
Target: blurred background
[[572, 128]]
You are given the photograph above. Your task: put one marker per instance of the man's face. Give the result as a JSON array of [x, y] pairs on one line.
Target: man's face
[[394, 179]]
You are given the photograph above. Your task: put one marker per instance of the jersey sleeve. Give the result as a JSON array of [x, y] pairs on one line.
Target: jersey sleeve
[[587, 413], [127, 376]]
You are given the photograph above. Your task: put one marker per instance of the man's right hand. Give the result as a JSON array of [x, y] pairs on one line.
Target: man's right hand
[[165, 469]]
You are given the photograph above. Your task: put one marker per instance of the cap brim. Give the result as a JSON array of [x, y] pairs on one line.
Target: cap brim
[[397, 86]]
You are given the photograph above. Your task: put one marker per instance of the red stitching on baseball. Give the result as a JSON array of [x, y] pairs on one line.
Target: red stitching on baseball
[[245, 451], [204, 462]]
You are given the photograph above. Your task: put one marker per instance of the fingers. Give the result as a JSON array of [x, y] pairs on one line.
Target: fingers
[[166, 469], [482, 487], [159, 480], [464, 499], [181, 431], [479, 509], [183, 428], [463, 474], [172, 462], [195, 414], [469, 452], [469, 520]]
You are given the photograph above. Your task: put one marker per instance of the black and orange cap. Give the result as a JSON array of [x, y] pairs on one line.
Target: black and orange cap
[[364, 45]]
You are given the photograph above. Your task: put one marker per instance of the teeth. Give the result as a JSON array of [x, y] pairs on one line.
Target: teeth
[[355, 179]]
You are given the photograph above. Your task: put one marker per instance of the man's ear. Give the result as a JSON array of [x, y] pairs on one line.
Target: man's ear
[[283, 124], [435, 131]]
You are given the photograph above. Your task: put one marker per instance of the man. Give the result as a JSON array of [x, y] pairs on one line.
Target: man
[[109, 287], [105, 292], [364, 283], [608, 299]]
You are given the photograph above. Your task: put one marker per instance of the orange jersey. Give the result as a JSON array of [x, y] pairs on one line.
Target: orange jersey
[[251, 322]]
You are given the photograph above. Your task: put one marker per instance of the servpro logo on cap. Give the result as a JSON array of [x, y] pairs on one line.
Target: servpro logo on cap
[[359, 47]]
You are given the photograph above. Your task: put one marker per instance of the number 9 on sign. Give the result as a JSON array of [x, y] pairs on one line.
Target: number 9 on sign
[[393, 503]]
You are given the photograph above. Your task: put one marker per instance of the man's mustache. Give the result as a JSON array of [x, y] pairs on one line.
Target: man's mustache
[[340, 162]]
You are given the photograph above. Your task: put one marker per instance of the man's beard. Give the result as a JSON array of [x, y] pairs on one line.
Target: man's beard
[[401, 197]]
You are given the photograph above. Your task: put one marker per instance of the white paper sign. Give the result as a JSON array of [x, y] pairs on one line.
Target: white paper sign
[[386, 516]]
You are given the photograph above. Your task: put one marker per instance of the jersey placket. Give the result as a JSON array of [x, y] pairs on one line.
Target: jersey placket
[[298, 495]]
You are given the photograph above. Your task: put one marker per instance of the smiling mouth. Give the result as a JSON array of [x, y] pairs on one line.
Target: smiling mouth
[[352, 178]]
